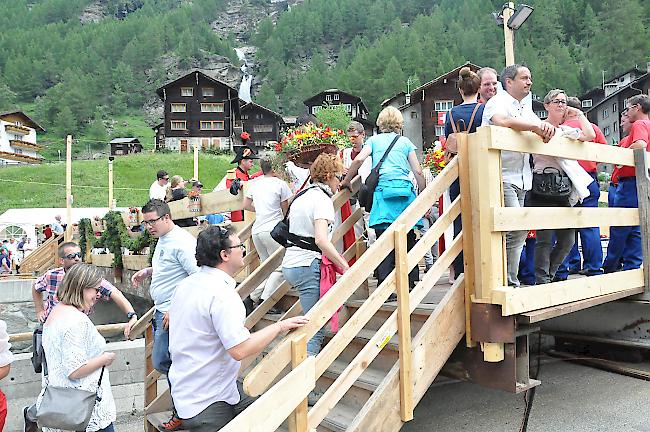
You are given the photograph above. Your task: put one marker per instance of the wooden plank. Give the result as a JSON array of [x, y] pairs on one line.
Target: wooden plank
[[267, 305], [104, 329], [150, 388], [347, 225], [608, 365], [403, 324], [643, 191], [213, 202], [268, 369], [293, 311], [555, 311], [141, 324], [151, 378], [298, 418], [261, 273], [433, 345], [525, 299], [489, 251], [269, 411], [163, 402], [468, 242], [135, 262], [377, 342], [529, 142], [528, 218], [102, 260]]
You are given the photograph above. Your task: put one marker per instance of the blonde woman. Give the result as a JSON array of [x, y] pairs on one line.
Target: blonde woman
[[395, 190], [74, 349]]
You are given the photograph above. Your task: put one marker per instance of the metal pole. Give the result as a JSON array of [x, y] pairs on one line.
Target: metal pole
[[110, 183], [68, 187], [508, 34], [196, 161]]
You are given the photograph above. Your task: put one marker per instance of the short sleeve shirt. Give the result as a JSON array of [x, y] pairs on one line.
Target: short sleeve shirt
[[157, 192], [640, 132], [396, 165], [206, 319], [267, 194], [589, 166]]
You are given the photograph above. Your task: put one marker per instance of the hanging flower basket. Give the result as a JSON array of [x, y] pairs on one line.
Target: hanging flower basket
[[303, 145]]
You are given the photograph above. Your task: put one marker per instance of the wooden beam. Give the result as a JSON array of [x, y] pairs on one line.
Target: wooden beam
[[150, 387], [643, 191], [104, 329], [529, 142], [525, 299], [267, 305], [403, 324], [213, 202], [260, 274], [163, 402], [298, 418], [68, 188], [141, 324], [269, 411], [528, 218], [555, 311]]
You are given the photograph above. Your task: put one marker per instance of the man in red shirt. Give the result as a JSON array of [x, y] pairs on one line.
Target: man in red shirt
[[592, 252], [625, 242], [244, 156]]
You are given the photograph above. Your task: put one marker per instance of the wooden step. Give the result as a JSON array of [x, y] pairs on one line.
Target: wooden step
[[156, 419]]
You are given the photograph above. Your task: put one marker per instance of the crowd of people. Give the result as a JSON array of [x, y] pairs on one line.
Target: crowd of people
[[199, 336]]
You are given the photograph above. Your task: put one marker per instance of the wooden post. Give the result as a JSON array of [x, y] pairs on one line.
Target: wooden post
[[508, 34], [110, 183], [298, 418], [643, 191], [68, 187], [468, 244], [403, 324], [150, 389], [196, 161]]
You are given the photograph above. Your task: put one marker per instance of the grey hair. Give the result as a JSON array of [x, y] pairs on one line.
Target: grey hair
[[552, 94], [574, 102], [510, 72], [485, 70], [357, 127]]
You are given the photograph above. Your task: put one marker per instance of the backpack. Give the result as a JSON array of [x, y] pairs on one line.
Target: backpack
[[452, 140]]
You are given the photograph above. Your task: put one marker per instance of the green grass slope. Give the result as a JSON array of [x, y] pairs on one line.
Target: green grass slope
[[44, 185]]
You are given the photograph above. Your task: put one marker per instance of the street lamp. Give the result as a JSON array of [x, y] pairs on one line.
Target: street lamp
[[511, 19]]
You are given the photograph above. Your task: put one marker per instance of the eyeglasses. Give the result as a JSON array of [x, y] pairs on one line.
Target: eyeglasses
[[340, 177], [72, 255], [240, 245], [558, 102], [153, 221]]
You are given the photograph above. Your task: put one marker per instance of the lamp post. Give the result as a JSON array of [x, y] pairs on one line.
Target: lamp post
[[512, 19], [110, 183]]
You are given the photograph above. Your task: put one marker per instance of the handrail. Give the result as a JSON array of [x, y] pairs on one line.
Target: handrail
[[45, 254], [103, 329], [258, 380]]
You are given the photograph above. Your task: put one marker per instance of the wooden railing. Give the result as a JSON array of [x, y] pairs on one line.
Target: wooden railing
[[43, 258]]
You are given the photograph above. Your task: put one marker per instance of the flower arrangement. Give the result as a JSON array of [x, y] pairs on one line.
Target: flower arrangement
[[435, 160], [303, 144]]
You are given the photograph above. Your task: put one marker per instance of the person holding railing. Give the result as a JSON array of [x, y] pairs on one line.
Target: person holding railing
[[507, 109], [625, 242], [311, 216], [395, 190], [74, 350], [207, 336], [549, 254]]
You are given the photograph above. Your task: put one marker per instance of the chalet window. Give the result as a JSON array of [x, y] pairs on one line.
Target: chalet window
[[244, 117], [440, 131], [179, 107], [443, 106], [348, 107], [216, 142], [212, 125], [625, 103], [179, 125], [605, 113], [614, 107], [187, 91], [606, 131], [616, 127], [414, 114], [541, 114], [205, 143], [587, 103], [315, 109], [336, 96], [207, 91], [263, 128], [328, 98], [212, 107]]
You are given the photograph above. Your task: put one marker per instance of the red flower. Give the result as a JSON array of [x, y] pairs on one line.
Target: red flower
[[245, 135]]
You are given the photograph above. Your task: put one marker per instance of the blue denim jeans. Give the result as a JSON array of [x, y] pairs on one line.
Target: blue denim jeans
[[307, 281], [160, 354], [624, 242]]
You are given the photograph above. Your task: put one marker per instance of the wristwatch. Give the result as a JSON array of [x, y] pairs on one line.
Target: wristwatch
[[130, 315]]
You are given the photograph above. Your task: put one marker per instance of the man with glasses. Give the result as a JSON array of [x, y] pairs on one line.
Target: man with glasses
[[173, 260], [158, 189], [208, 338], [625, 242], [507, 109], [69, 255]]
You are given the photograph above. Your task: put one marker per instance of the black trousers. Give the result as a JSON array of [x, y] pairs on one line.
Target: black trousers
[[388, 264]]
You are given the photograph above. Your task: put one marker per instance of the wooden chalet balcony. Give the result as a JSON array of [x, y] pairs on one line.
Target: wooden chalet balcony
[[20, 157], [26, 145], [13, 128]]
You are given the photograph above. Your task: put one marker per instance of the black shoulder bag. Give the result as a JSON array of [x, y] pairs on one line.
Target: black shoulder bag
[[367, 189], [281, 234]]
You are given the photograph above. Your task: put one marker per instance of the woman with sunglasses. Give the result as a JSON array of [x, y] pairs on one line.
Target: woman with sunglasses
[[311, 216], [74, 349]]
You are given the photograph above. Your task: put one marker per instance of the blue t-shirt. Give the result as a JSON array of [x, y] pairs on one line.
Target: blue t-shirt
[[396, 165], [462, 115]]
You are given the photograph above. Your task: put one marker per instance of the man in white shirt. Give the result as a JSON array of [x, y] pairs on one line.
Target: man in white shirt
[[208, 338], [268, 196], [507, 109], [173, 260], [158, 189], [57, 226]]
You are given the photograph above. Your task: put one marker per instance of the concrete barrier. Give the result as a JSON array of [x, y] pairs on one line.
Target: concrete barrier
[[15, 290]]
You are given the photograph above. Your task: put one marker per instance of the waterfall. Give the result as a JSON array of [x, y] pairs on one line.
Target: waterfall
[[247, 80]]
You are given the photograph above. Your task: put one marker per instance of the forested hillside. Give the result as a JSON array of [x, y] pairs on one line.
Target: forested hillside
[[76, 64]]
